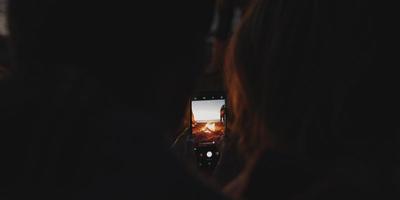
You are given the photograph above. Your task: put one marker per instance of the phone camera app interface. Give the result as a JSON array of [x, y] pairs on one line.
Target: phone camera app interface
[[208, 120]]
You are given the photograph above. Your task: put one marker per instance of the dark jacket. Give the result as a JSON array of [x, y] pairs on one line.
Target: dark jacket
[[279, 176]]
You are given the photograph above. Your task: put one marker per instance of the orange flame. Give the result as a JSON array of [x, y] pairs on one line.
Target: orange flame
[[209, 127]]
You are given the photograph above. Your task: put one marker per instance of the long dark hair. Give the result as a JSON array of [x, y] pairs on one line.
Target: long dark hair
[[303, 76]]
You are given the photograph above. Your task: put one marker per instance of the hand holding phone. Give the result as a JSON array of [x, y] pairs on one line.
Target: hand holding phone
[[208, 125]]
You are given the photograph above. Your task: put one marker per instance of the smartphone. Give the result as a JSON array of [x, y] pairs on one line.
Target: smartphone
[[208, 126]]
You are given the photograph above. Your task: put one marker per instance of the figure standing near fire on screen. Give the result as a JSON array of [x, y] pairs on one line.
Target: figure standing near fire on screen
[[222, 114]]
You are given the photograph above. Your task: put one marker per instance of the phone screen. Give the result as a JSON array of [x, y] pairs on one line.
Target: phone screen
[[208, 118]]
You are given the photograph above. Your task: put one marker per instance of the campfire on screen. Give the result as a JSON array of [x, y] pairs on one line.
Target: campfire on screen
[[208, 131], [209, 127]]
